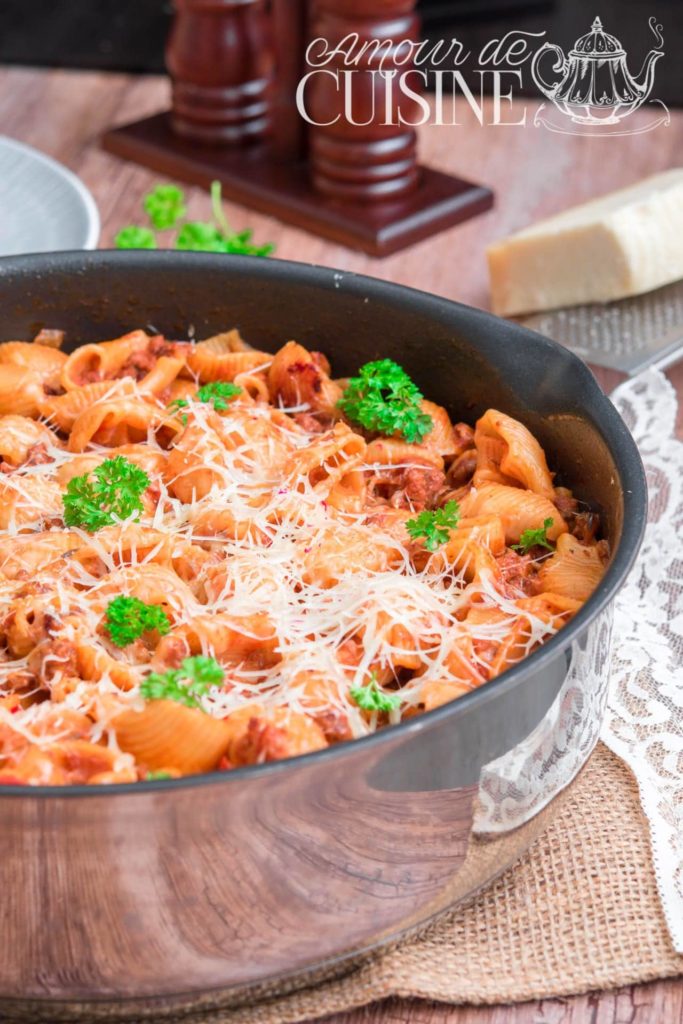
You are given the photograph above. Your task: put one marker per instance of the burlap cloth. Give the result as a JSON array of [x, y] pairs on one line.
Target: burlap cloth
[[580, 911]]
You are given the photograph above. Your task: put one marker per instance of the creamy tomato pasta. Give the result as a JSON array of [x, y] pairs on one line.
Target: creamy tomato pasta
[[212, 556]]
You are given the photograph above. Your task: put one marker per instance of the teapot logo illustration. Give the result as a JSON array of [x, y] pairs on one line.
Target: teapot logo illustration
[[594, 87]]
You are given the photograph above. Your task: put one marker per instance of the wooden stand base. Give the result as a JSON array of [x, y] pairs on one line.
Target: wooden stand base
[[252, 176]]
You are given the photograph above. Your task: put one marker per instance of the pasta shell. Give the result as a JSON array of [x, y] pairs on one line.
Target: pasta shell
[[63, 410], [390, 451], [349, 492], [44, 362], [518, 509], [435, 693], [355, 551], [196, 464], [92, 363], [122, 421], [30, 553], [147, 458], [254, 385], [80, 760], [553, 608], [227, 341], [522, 457], [163, 374], [463, 548], [296, 377], [28, 502], [574, 570], [258, 735], [24, 625], [167, 734], [19, 434], [151, 583], [209, 366], [328, 459], [234, 636], [114, 546], [441, 438], [181, 389], [94, 663], [21, 390]]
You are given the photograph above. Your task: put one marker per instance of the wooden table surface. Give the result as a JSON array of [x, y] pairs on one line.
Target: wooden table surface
[[533, 173]]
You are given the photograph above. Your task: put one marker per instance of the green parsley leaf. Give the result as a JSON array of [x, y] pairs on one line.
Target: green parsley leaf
[[373, 698], [128, 618], [177, 403], [164, 206], [175, 406], [384, 399], [114, 494], [185, 684], [435, 526], [535, 538], [239, 243], [219, 392], [134, 237], [198, 236], [155, 776]]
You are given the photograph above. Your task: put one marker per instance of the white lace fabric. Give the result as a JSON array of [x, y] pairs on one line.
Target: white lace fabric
[[644, 720]]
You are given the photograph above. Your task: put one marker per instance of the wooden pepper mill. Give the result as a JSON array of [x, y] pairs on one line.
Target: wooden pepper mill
[[367, 161], [353, 175], [221, 66]]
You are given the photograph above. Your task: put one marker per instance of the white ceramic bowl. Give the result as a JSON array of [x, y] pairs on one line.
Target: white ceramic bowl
[[43, 206]]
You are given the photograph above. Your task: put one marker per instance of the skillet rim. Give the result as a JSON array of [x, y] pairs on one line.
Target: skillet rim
[[604, 417]]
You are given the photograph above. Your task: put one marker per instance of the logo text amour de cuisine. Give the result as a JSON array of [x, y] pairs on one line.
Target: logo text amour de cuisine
[[594, 90]]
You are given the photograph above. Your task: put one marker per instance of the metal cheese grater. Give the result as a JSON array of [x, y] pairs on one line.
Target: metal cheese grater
[[628, 335]]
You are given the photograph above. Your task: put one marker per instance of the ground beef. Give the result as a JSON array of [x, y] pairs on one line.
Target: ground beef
[[309, 422], [519, 572], [310, 374], [585, 526], [262, 742], [160, 346], [417, 488], [334, 724], [90, 377], [565, 504], [171, 651], [464, 437], [138, 365], [37, 455], [57, 657], [462, 469]]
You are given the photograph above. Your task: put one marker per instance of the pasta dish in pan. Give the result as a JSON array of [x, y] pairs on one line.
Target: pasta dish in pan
[[211, 556]]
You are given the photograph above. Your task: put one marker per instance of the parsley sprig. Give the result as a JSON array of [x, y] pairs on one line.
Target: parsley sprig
[[434, 526], [112, 493], [186, 684], [165, 207], [135, 237], [383, 398], [373, 698], [127, 618], [176, 405], [219, 393], [535, 538]]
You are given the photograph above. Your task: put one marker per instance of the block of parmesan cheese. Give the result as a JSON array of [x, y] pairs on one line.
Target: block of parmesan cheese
[[621, 244]]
